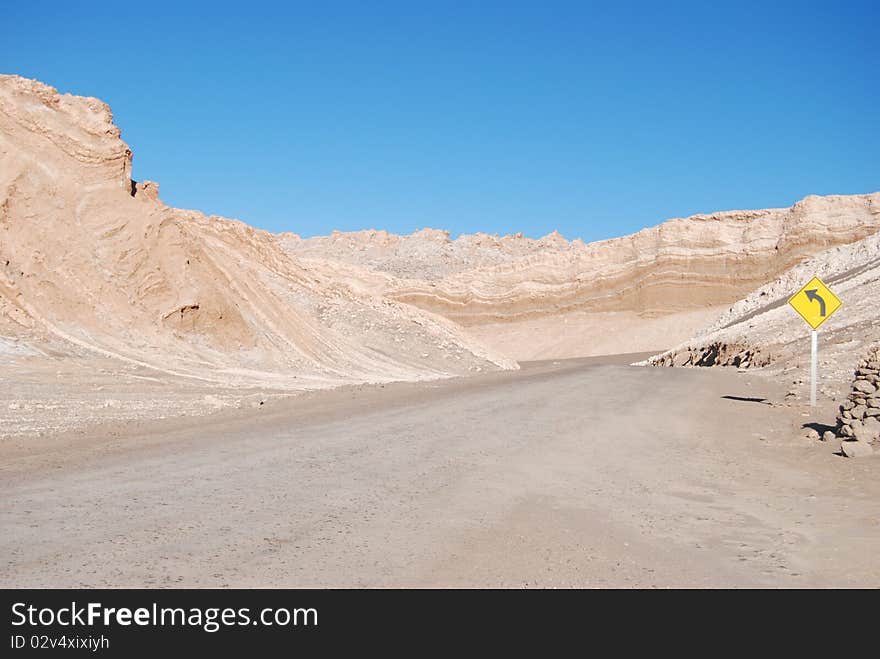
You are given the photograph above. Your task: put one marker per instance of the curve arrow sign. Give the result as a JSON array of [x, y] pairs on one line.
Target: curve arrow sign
[[813, 295], [803, 302]]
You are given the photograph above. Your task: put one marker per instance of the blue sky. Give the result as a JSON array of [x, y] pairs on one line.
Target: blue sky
[[596, 119]]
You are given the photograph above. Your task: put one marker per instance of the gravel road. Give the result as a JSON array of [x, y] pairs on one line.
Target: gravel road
[[564, 474]]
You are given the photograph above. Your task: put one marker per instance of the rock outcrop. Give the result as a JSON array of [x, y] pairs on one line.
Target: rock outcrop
[[683, 264], [700, 261], [553, 298], [93, 263], [763, 330]]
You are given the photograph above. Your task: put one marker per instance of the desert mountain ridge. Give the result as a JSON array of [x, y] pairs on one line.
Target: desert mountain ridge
[[95, 265], [627, 294]]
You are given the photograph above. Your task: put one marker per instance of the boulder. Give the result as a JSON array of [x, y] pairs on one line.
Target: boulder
[[855, 449], [864, 386], [681, 358], [867, 432]]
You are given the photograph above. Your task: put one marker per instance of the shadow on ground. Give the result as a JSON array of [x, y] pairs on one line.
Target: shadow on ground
[[748, 399]]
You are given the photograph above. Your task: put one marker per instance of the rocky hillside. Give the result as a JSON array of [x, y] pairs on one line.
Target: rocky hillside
[[763, 330], [554, 298], [92, 263]]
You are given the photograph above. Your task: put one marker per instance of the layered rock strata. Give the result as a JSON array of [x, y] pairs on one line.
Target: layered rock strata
[[94, 263]]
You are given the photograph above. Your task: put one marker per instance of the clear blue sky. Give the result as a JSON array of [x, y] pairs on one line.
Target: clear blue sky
[[593, 118]]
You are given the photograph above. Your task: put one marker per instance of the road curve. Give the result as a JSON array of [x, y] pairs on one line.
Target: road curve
[[564, 474]]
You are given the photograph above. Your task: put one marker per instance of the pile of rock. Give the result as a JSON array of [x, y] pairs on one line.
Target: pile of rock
[[858, 423], [717, 353]]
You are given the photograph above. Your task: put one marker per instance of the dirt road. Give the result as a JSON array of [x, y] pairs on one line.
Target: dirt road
[[577, 473]]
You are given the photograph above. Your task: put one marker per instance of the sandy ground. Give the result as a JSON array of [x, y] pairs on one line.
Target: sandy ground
[[591, 333], [573, 473], [42, 397]]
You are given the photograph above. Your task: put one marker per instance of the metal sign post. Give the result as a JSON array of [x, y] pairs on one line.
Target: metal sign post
[[814, 366], [815, 303]]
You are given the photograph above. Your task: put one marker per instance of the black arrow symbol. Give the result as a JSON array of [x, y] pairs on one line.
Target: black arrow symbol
[[814, 296]]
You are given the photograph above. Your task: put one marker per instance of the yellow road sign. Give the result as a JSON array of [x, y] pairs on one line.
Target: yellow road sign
[[815, 303]]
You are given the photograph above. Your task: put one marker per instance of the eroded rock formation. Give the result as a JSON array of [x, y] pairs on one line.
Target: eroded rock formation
[[765, 328], [553, 298], [94, 263]]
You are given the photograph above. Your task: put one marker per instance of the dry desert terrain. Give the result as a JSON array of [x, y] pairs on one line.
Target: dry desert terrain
[[562, 474], [186, 400]]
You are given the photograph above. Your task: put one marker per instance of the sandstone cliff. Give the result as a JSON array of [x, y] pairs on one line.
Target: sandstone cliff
[[93, 263], [763, 330], [552, 298]]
